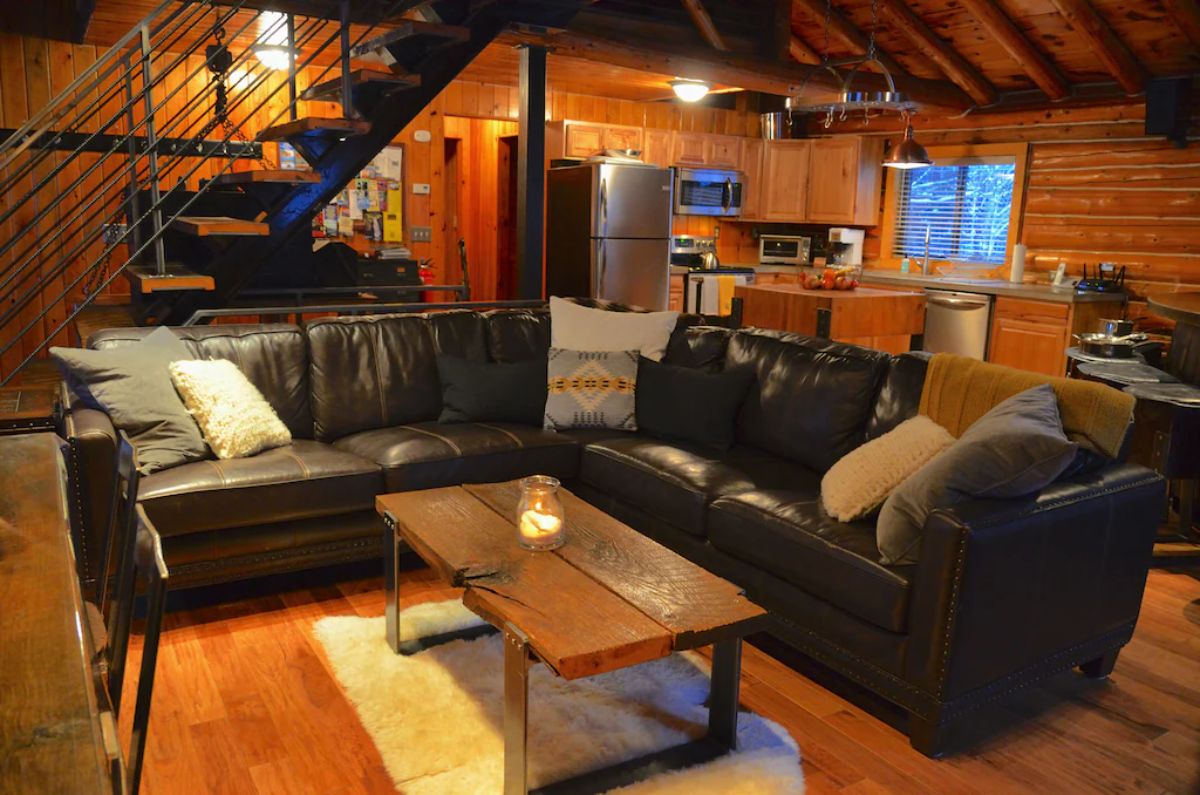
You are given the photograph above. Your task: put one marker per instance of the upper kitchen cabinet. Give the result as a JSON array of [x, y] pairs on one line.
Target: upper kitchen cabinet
[[844, 180], [585, 140], [689, 149], [785, 178], [819, 180], [656, 147], [721, 151], [750, 157]]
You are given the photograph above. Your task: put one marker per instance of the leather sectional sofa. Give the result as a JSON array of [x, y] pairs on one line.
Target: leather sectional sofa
[[1006, 592]]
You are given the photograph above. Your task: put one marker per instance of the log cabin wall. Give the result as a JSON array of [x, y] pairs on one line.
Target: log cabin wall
[[33, 70], [1100, 190]]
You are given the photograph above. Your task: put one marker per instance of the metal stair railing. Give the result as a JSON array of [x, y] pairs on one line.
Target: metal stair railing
[[131, 64]]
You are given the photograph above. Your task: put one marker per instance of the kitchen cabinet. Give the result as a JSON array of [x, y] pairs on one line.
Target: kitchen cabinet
[[656, 147], [844, 180], [623, 138], [819, 180], [689, 149], [721, 151], [584, 140], [750, 157], [785, 166], [675, 296], [1035, 335]]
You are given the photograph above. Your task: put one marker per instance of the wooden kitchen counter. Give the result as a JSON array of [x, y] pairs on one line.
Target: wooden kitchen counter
[[880, 319]]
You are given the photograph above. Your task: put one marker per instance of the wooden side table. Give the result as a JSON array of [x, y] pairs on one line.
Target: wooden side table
[[28, 409]]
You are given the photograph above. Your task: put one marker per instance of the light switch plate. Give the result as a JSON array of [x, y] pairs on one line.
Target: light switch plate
[[421, 188], [422, 234]]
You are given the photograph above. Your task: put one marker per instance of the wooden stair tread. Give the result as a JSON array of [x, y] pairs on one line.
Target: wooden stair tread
[[314, 125], [280, 176], [202, 226], [144, 279], [361, 77], [411, 28]]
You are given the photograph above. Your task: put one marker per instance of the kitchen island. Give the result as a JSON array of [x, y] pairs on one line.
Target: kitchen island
[[885, 320]]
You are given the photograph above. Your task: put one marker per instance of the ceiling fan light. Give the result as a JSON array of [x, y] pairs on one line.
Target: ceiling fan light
[[908, 154], [690, 90]]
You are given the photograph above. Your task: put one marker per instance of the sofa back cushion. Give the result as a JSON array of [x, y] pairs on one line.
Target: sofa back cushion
[[461, 333], [899, 396], [372, 372], [273, 356], [811, 397], [696, 346], [517, 335]]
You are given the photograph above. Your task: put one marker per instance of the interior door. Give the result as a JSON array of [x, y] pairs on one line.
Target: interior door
[[632, 201], [632, 271]]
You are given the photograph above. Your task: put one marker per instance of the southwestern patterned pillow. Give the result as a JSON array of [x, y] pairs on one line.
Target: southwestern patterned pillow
[[591, 389]]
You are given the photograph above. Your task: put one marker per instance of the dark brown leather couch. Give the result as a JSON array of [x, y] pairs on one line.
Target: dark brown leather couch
[[1006, 592]]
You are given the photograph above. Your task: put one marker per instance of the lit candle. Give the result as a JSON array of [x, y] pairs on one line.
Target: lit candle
[[538, 526]]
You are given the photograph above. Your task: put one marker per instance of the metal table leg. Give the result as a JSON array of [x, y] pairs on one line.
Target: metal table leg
[[723, 692], [393, 544], [516, 709]]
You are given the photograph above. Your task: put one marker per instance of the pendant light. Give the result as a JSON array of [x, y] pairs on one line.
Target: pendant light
[[690, 90], [907, 154]]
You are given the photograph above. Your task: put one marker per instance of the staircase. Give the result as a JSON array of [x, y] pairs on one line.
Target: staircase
[[94, 186]]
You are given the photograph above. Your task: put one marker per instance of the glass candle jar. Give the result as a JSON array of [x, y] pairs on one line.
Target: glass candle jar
[[540, 515]]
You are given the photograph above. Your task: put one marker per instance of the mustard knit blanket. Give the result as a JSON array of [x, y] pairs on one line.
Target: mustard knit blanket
[[959, 390]]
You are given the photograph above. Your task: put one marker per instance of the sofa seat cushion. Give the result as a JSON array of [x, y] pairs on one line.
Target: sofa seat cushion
[[428, 455], [303, 480], [675, 481], [788, 534]]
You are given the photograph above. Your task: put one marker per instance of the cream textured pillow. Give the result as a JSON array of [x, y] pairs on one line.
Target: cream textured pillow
[[861, 480], [582, 328], [234, 417]]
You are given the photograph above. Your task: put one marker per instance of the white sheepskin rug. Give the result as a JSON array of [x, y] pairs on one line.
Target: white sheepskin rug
[[437, 717]]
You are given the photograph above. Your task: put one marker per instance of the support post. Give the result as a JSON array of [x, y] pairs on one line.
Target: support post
[[348, 111], [160, 254], [531, 178], [291, 45]]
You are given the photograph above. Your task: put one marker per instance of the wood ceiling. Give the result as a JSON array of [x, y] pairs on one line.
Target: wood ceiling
[[947, 54]]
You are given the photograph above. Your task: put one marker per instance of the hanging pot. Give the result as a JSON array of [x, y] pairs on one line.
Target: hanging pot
[[777, 125]]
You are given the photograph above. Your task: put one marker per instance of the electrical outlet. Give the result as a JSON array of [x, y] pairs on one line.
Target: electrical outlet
[[112, 232], [422, 234], [421, 188]]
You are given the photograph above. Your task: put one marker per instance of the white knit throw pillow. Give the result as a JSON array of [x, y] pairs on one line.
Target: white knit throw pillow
[[861, 480], [234, 417]]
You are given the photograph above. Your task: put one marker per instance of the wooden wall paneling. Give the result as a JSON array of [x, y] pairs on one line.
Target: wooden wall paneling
[[14, 112], [37, 93]]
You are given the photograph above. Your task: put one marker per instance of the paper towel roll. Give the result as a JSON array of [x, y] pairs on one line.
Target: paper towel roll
[[1017, 270]]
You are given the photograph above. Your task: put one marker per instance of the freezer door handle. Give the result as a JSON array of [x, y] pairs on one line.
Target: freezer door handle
[[601, 266], [603, 208]]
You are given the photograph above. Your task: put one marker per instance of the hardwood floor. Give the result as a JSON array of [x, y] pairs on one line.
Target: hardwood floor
[[245, 702]]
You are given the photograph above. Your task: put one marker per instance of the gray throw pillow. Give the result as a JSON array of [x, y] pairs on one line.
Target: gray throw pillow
[[133, 386], [1015, 449], [591, 389]]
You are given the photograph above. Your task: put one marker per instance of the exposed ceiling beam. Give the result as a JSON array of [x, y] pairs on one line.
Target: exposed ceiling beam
[[705, 25], [1104, 42], [956, 67], [799, 50], [730, 68], [1186, 14], [841, 26], [1035, 63]]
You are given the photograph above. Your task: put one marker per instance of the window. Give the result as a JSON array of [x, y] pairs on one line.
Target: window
[[967, 204]]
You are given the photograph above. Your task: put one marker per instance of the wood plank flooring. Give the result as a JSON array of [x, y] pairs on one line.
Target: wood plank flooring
[[245, 702]]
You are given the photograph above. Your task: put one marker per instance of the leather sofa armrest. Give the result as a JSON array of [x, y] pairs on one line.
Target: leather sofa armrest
[[1007, 586], [91, 482]]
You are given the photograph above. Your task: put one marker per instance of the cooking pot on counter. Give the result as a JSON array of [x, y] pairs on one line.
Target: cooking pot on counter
[[1112, 346]]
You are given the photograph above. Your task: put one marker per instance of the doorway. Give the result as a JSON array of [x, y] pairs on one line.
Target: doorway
[[506, 219]]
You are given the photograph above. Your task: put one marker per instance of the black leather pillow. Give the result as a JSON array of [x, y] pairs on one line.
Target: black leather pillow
[[690, 405], [491, 391]]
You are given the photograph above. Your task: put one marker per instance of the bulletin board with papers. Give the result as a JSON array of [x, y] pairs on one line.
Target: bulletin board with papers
[[371, 206]]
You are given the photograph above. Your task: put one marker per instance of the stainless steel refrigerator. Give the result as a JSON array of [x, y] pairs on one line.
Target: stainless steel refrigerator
[[608, 233]]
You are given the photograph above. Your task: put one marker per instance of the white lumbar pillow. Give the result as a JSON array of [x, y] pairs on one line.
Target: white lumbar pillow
[[862, 479], [234, 417], [581, 328]]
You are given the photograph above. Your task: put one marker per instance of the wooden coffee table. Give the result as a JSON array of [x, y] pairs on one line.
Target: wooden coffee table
[[608, 598]]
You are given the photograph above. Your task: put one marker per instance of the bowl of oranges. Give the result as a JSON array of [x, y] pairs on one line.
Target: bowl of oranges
[[840, 278]]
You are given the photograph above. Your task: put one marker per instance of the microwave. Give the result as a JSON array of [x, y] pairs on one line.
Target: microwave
[[784, 250], [708, 191]]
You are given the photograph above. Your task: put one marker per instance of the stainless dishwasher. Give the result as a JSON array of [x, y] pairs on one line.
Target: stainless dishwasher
[[957, 322]]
